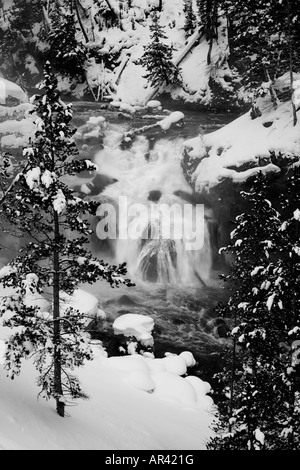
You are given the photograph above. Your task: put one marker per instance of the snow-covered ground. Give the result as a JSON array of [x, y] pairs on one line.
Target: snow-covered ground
[[9, 90], [127, 78], [237, 150], [119, 415], [120, 76], [136, 402]]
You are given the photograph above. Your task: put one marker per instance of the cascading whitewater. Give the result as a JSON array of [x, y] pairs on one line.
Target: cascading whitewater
[[154, 226]]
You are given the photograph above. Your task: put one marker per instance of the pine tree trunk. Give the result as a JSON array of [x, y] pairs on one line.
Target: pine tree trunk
[[80, 22], [272, 91], [60, 405], [232, 380], [110, 7], [213, 29], [208, 59]]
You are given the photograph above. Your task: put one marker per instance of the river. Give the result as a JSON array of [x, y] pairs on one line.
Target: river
[[176, 286]]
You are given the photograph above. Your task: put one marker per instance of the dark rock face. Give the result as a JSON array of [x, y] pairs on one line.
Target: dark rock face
[[98, 184], [225, 199], [124, 299], [221, 328], [154, 196]]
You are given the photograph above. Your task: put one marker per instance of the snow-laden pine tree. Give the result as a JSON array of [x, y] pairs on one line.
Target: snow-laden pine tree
[[264, 38], [190, 18], [66, 53], [157, 57], [208, 11], [56, 259], [261, 406]]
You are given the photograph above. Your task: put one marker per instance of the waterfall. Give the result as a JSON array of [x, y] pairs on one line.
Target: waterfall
[[161, 236]]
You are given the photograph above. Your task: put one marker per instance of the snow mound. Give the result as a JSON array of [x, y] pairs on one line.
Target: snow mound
[[153, 104], [245, 142], [141, 380], [96, 120], [122, 412], [188, 358], [173, 388], [139, 326], [81, 300], [173, 118], [10, 90], [86, 303], [130, 363], [174, 364], [163, 378]]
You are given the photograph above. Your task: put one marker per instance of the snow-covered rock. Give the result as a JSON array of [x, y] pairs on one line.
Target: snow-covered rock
[[32, 297], [139, 326], [174, 388], [188, 358], [83, 301], [153, 104], [245, 142], [163, 378], [11, 92], [173, 118], [96, 121]]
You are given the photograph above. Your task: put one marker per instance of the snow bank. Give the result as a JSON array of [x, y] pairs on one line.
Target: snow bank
[[128, 84], [19, 110], [80, 300], [10, 90], [117, 416], [16, 133], [243, 142], [164, 379]]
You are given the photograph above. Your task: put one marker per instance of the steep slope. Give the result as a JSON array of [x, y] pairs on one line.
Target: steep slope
[[114, 34]]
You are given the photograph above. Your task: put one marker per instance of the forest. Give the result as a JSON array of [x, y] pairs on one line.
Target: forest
[[132, 64]]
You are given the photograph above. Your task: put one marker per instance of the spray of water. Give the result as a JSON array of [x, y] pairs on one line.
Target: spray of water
[[152, 175]]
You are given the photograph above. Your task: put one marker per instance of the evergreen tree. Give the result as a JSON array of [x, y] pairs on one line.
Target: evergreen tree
[[190, 18], [18, 37], [208, 11], [157, 57], [287, 29], [262, 406], [24, 14], [264, 38], [67, 54], [56, 260]]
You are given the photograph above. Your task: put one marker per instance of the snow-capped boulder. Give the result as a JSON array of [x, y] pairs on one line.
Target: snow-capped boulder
[[11, 93], [81, 300], [173, 118], [32, 297], [152, 104], [138, 326], [173, 388]]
